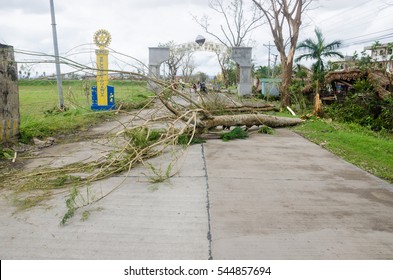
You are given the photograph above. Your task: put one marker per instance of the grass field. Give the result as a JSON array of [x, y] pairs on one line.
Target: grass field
[[39, 101]]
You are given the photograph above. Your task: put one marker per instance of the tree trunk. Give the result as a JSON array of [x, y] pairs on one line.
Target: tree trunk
[[237, 73], [286, 77], [317, 102], [225, 77], [248, 120], [9, 95], [284, 18]]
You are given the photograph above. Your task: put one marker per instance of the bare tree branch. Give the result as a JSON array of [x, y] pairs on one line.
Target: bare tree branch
[[284, 18], [238, 23], [175, 59]]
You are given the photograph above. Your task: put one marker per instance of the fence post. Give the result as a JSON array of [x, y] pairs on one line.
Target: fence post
[[9, 95]]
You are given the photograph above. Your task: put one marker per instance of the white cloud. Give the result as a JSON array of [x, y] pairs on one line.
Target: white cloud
[[31, 7], [136, 25]]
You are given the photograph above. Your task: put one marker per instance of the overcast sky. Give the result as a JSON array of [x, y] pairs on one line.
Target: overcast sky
[[136, 25]]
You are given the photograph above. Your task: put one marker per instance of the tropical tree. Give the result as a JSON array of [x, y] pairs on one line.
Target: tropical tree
[[318, 50], [284, 18]]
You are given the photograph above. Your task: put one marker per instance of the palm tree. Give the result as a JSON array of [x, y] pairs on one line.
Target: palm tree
[[318, 50]]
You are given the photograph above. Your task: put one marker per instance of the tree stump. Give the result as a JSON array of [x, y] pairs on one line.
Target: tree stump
[[9, 95]]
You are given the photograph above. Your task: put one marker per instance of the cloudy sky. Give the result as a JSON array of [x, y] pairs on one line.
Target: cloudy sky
[[136, 25]]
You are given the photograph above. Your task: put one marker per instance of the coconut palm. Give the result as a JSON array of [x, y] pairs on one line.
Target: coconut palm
[[318, 50]]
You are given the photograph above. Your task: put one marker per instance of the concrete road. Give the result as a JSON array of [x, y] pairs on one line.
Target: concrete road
[[266, 197], [282, 197]]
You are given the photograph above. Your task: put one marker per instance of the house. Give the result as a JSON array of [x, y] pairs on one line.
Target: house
[[382, 54], [380, 59], [270, 87], [348, 63], [342, 82]]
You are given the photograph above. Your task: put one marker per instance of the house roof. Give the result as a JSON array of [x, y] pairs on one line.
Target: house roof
[[380, 83], [379, 80], [381, 46], [344, 75]]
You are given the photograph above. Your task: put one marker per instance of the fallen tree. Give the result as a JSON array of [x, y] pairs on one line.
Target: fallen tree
[[176, 116], [206, 112], [248, 120]]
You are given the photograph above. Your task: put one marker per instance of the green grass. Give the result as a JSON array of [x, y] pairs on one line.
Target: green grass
[[360, 146], [39, 102]]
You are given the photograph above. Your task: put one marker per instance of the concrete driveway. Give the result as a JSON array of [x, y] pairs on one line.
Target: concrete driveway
[[267, 197]]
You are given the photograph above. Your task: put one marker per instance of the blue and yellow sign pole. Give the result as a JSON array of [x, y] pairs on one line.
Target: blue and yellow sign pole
[[103, 96]]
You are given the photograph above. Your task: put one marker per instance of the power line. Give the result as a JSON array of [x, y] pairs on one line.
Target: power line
[[350, 8], [354, 16], [365, 35], [353, 19], [368, 40]]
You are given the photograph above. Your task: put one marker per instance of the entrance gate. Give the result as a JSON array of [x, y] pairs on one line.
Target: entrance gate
[[241, 55]]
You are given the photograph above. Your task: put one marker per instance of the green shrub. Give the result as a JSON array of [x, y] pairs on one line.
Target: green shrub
[[264, 129], [236, 133], [142, 137], [6, 153], [184, 139], [364, 107]]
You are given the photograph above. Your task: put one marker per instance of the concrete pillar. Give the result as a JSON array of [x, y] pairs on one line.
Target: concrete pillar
[[9, 95], [156, 57], [242, 55]]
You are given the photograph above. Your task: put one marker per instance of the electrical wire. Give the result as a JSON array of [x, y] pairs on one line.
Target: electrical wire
[[356, 19]]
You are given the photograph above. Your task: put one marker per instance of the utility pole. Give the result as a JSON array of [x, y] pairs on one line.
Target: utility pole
[[57, 60], [275, 63], [268, 61]]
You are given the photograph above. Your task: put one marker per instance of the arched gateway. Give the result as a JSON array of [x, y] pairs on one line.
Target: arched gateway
[[241, 55]]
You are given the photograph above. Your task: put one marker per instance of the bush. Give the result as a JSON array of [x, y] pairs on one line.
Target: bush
[[300, 102], [185, 139], [366, 109], [236, 133]]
